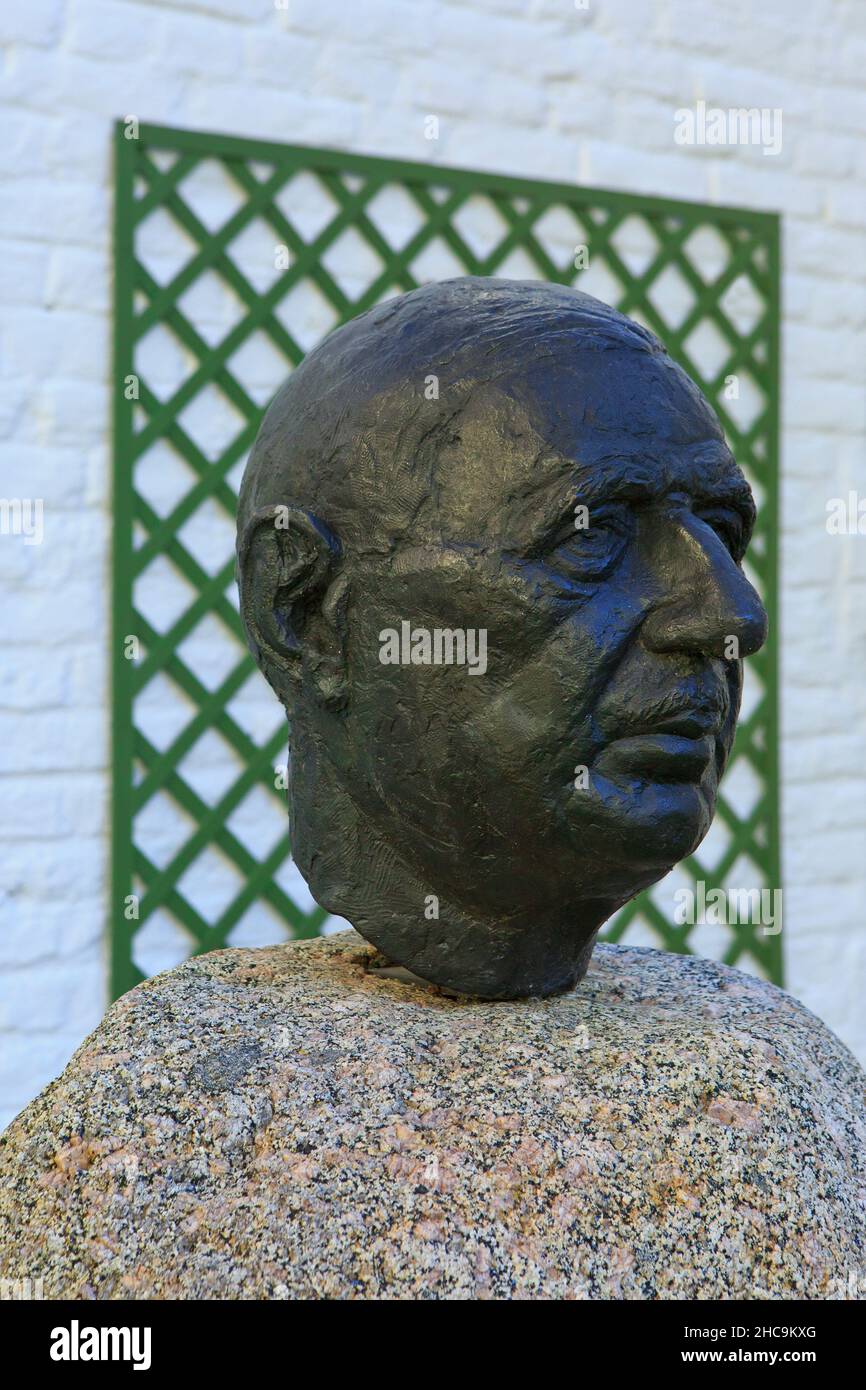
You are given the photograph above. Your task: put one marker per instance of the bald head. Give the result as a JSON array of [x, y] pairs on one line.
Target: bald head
[[379, 429]]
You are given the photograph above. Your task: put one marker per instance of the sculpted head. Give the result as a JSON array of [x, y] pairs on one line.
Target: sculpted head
[[489, 555]]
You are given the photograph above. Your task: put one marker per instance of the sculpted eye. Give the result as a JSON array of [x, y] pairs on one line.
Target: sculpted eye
[[594, 541], [729, 526]]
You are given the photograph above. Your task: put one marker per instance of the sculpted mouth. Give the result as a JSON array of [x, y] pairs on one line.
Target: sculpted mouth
[[678, 747], [661, 757], [689, 724]]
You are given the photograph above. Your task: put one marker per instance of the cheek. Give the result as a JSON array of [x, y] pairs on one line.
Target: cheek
[[538, 725], [526, 718]]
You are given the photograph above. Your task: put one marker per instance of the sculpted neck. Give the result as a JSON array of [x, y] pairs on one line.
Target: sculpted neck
[[355, 872]]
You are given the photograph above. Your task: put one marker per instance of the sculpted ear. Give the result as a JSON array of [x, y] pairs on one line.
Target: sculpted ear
[[286, 559]]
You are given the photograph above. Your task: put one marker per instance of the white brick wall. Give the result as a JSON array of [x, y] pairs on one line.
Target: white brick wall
[[534, 87]]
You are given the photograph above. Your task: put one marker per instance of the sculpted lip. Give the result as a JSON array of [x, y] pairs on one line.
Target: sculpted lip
[[677, 747], [668, 756], [687, 725]]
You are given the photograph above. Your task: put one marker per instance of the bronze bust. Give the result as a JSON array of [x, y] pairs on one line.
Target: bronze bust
[[489, 555]]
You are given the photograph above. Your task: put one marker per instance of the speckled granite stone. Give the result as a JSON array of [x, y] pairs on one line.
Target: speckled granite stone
[[281, 1123]]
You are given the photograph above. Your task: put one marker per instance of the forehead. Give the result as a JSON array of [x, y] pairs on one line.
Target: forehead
[[593, 427]]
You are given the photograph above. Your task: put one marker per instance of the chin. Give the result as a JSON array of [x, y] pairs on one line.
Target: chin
[[642, 831], [682, 815]]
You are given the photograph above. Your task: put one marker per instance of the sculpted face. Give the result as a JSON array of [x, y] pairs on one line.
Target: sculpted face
[[568, 512]]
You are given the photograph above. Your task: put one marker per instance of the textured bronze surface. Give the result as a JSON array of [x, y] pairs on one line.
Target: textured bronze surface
[[489, 548]]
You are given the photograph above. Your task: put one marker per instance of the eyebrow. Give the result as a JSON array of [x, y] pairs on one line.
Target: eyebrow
[[712, 477]]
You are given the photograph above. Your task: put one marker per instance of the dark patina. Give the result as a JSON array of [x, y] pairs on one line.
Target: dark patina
[[516, 460]]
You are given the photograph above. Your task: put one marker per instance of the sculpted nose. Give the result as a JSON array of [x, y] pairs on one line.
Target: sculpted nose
[[704, 597]]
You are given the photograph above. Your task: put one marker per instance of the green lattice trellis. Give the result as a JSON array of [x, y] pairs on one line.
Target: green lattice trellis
[[295, 241]]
